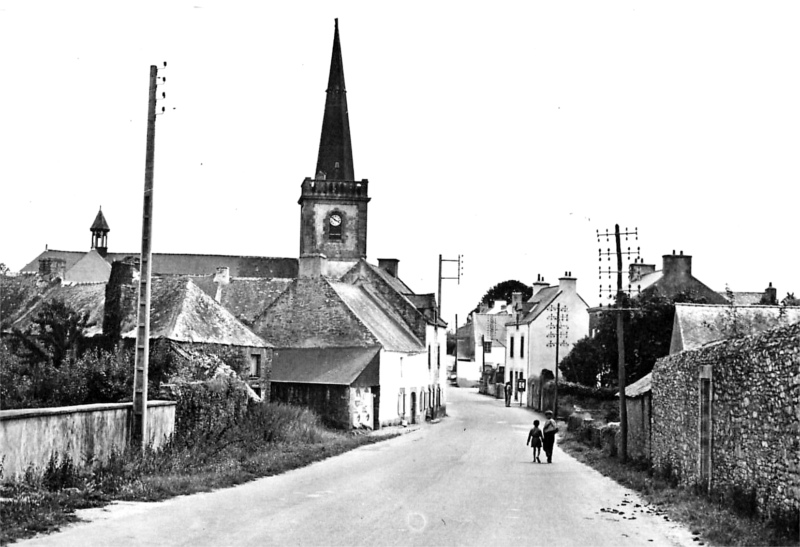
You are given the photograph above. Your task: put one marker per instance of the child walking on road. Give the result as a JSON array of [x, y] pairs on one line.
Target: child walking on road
[[535, 439]]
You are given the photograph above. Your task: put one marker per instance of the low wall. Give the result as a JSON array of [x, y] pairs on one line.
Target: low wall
[[86, 433]]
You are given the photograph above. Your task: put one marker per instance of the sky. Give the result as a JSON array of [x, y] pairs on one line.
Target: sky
[[506, 132]]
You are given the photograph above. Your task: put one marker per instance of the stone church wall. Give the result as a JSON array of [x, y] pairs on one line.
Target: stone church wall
[[755, 420]]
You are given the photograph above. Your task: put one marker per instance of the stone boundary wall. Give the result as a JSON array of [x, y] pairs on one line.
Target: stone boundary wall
[[755, 419], [86, 432]]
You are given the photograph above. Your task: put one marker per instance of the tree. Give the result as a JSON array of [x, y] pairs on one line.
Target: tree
[[55, 332], [648, 334], [504, 291], [3, 268]]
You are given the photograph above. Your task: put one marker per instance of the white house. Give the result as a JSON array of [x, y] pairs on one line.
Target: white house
[[542, 332]]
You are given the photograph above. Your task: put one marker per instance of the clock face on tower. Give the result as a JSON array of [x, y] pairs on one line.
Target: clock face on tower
[[335, 219]]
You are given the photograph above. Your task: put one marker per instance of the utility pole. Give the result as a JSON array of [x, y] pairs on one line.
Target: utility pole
[[460, 261], [139, 427], [557, 314], [623, 409]]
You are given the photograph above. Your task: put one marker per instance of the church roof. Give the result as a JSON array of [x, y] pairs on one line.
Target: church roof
[[334, 145], [188, 264], [100, 224]]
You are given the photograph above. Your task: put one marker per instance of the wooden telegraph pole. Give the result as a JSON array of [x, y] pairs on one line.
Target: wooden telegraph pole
[[623, 407], [557, 314], [459, 260], [139, 427]]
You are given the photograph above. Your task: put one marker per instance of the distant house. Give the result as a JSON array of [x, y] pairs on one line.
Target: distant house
[[481, 344], [535, 336]]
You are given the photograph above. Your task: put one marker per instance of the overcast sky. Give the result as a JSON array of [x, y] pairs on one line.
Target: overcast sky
[[508, 132]]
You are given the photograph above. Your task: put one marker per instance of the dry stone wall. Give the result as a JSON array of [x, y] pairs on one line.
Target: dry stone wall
[[755, 419]]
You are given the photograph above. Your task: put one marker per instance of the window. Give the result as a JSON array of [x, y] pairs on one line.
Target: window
[[438, 356], [522, 346], [429, 356], [255, 365], [511, 347], [487, 347]]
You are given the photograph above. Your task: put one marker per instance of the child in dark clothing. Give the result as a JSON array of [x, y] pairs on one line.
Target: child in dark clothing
[[535, 439]]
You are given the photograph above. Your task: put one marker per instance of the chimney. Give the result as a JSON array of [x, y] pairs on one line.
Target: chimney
[[679, 266], [223, 275], [121, 296], [516, 299], [567, 284], [52, 268], [389, 264], [771, 295], [313, 265], [539, 284], [638, 270]]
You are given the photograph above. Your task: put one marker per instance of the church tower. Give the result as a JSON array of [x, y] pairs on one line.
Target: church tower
[[333, 205], [100, 231]]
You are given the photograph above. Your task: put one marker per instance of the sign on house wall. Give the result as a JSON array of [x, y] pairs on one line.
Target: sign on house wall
[[361, 407]]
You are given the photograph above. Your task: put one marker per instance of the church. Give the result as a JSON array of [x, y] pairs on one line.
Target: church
[[350, 339]]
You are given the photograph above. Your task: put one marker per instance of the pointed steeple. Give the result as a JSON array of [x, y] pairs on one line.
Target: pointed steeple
[[335, 160], [100, 231]]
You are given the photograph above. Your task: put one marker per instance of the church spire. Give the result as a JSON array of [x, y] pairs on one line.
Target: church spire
[[100, 231], [335, 160]]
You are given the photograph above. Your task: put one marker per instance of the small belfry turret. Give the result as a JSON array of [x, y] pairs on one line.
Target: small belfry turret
[[333, 205], [100, 231]]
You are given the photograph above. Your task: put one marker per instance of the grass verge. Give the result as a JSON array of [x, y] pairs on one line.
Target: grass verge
[[710, 521], [271, 440]]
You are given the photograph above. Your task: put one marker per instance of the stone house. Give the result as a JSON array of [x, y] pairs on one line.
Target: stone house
[[531, 341], [725, 419], [318, 314]]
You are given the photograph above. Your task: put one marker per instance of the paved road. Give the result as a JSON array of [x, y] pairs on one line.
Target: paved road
[[467, 480]]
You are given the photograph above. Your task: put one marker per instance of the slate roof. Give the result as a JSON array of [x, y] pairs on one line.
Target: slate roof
[[696, 325], [541, 300], [100, 223], [181, 312], [69, 257], [640, 387], [22, 297], [244, 297], [338, 366], [188, 264], [385, 324], [395, 282]]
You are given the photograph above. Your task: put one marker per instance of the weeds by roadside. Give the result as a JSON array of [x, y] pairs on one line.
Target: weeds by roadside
[[265, 440], [712, 521]]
